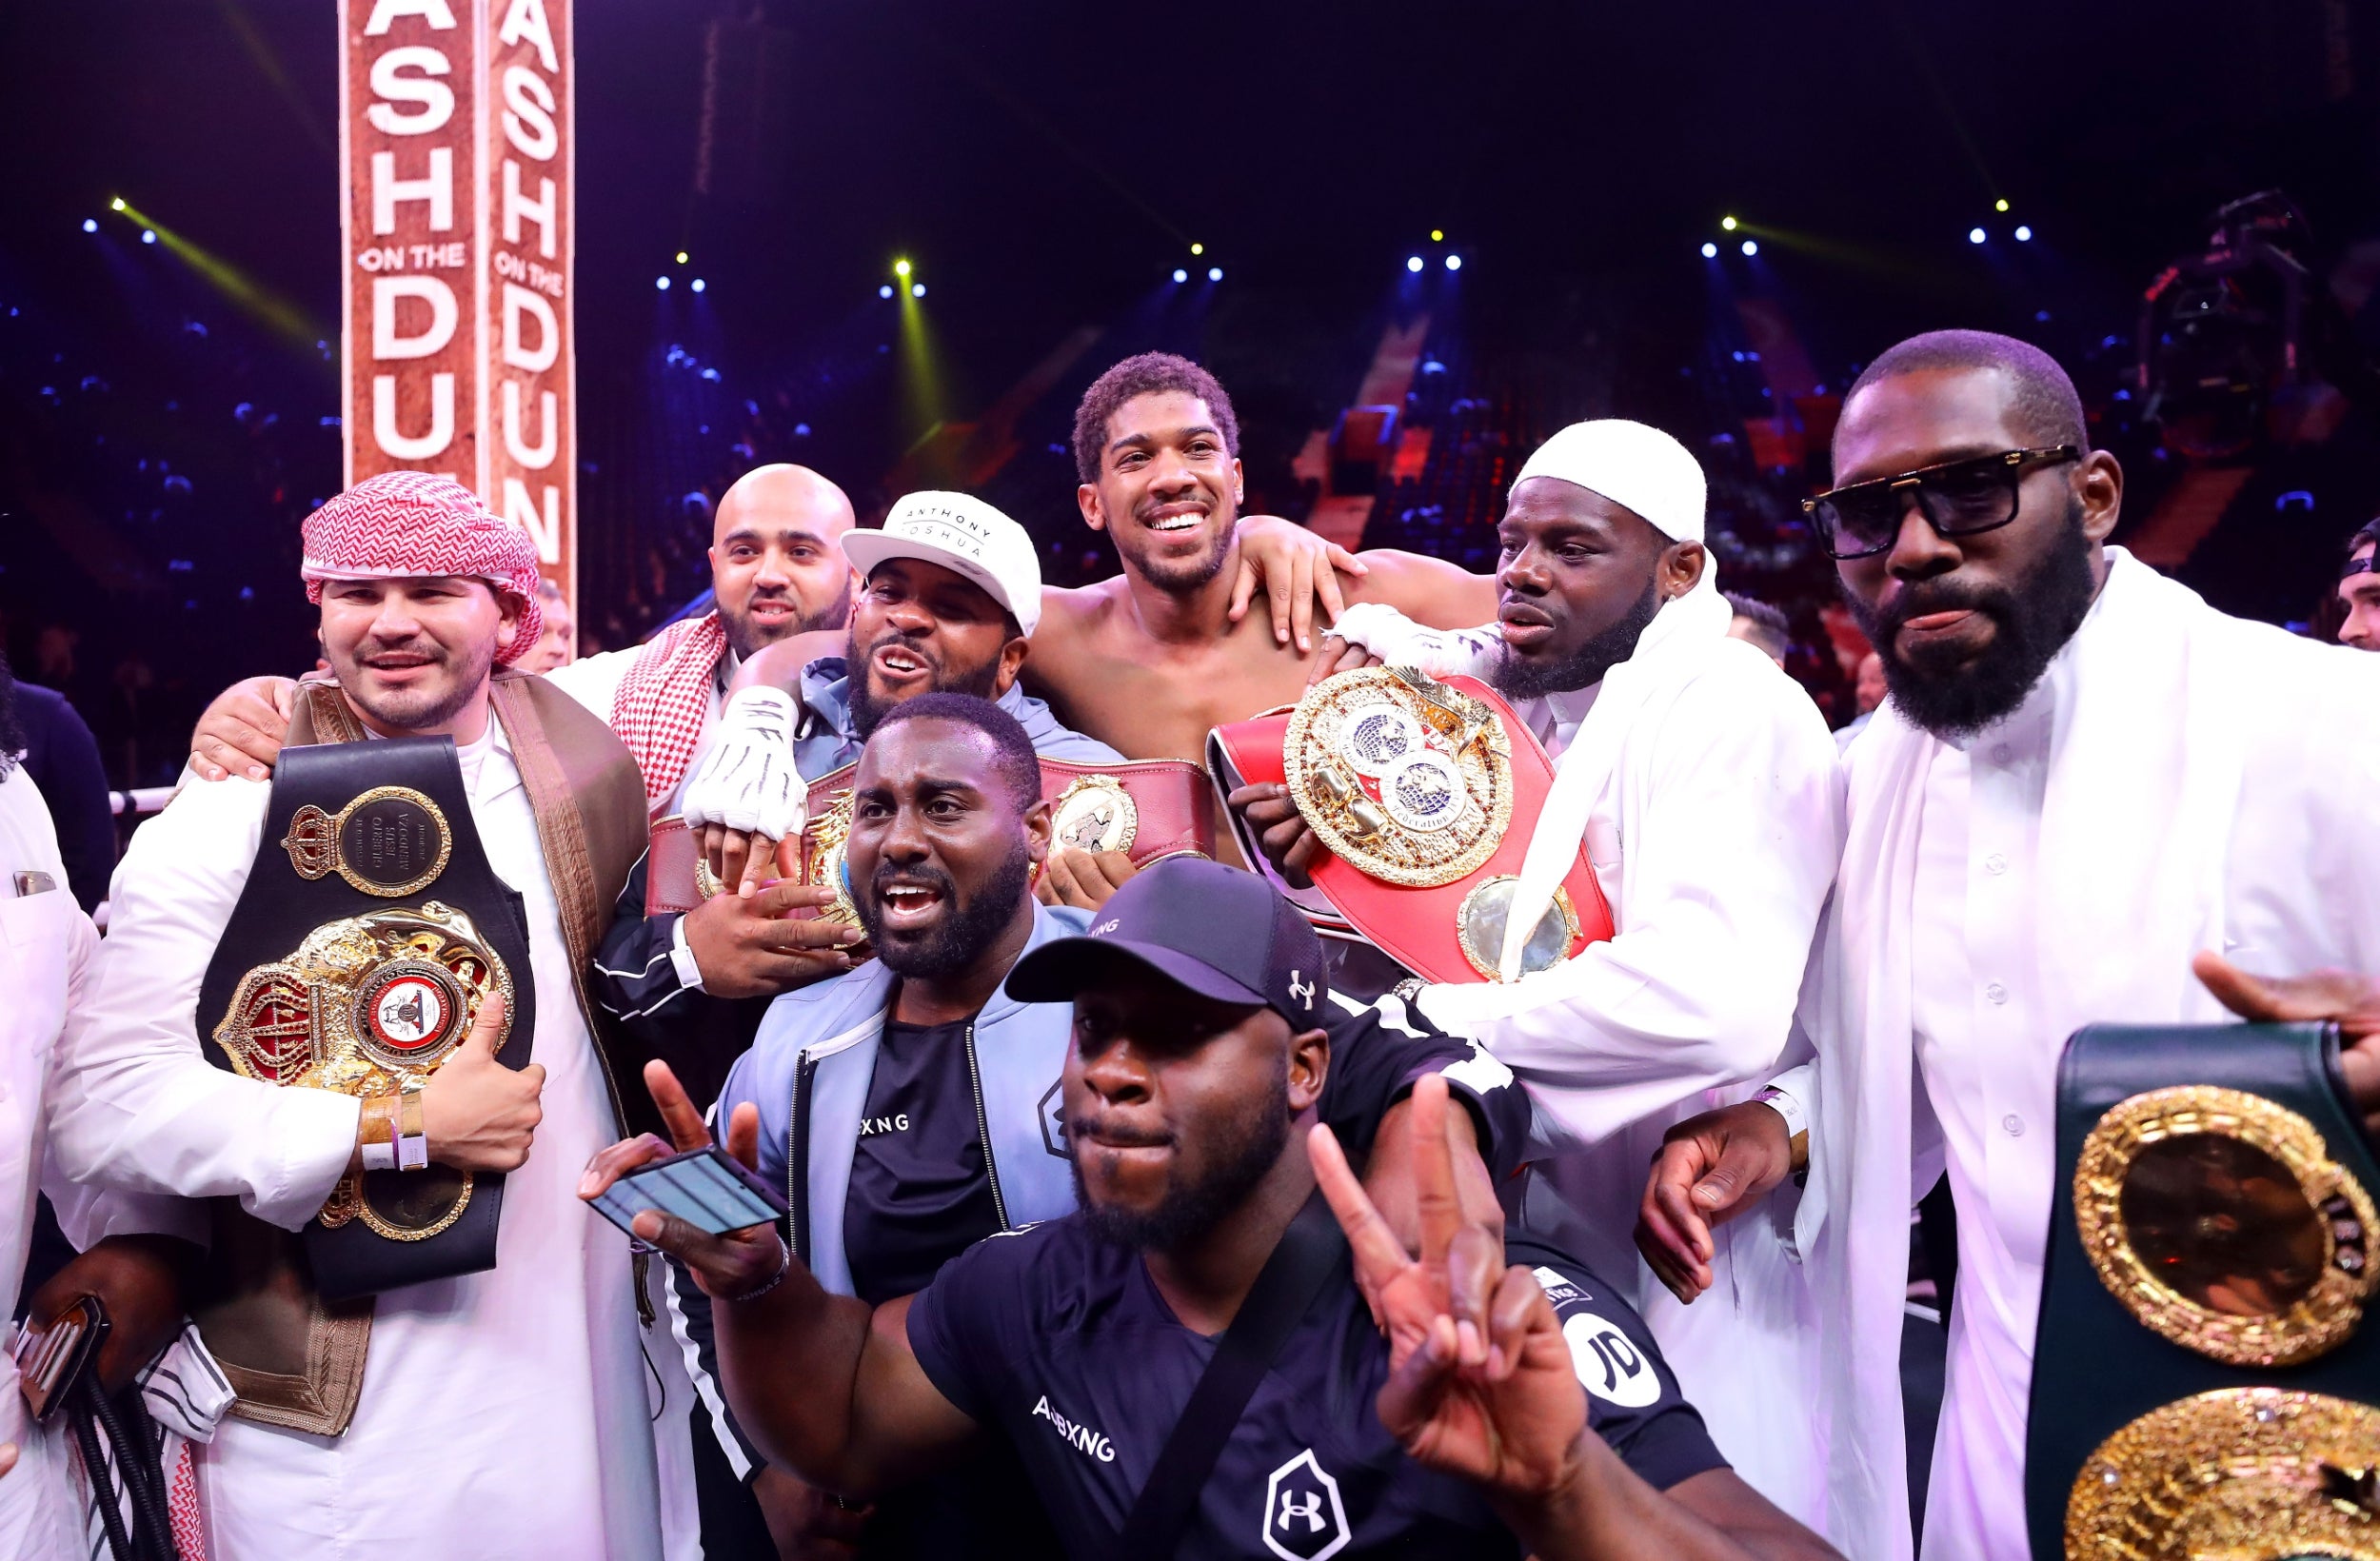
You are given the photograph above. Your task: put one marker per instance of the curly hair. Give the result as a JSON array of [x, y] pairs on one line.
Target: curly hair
[[1144, 374]]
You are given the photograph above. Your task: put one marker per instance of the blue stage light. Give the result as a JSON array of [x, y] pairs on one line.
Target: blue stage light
[[1214, 273], [660, 284], [1974, 235], [885, 291], [1709, 251], [1180, 276], [90, 225], [148, 235], [917, 289], [1751, 248], [698, 284], [1413, 263], [2024, 235], [1454, 262]]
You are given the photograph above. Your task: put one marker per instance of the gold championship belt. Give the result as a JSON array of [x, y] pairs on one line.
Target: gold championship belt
[[370, 1005], [2207, 1376], [1424, 791], [370, 930], [1148, 809]]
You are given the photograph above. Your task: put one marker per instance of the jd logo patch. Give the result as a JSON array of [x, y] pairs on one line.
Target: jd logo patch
[[1610, 1366], [1303, 1517]]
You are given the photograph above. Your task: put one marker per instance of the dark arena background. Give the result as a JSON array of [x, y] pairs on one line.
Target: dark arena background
[[895, 240]]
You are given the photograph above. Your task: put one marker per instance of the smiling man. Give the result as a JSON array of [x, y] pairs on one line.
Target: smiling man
[[1701, 782], [2091, 798], [1086, 1345]]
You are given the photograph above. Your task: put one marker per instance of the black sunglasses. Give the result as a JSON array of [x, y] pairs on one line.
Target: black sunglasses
[[1957, 497]]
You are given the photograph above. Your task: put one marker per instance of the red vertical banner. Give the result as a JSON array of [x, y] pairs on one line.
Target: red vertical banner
[[409, 315], [455, 134], [529, 378]]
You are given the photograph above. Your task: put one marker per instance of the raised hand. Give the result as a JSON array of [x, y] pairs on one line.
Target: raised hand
[[1480, 1381], [746, 795], [478, 1114], [2350, 1000], [734, 1264], [1296, 569], [1711, 1169]]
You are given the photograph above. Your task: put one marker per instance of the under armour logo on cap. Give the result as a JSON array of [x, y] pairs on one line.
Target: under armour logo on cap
[[1303, 991]]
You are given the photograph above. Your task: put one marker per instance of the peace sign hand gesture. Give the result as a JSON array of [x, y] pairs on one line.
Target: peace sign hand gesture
[[1480, 1381]]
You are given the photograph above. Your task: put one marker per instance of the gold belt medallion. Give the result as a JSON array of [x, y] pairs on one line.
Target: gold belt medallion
[[829, 832], [1095, 814], [367, 1006], [2240, 1474], [1403, 778], [2220, 1221], [390, 841]]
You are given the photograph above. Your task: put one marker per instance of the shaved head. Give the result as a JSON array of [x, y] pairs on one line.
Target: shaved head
[[776, 562], [2043, 403]]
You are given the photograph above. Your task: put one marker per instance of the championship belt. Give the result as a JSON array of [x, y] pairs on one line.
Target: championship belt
[[370, 930], [2207, 1374], [1149, 809], [1423, 791]]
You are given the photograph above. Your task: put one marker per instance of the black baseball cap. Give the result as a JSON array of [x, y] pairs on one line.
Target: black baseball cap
[[1221, 932]]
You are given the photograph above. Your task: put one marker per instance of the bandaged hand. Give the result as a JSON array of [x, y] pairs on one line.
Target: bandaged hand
[[746, 790], [1388, 636]]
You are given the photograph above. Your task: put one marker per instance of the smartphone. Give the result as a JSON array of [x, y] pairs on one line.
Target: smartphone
[[50, 1359], [706, 1187]]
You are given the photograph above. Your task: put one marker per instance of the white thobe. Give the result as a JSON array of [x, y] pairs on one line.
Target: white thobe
[[48, 948], [2178, 780], [594, 682], [1714, 840], [502, 1413]]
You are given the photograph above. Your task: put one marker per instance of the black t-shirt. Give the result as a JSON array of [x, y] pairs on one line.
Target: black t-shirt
[[1062, 1342], [1379, 1048], [918, 1195]]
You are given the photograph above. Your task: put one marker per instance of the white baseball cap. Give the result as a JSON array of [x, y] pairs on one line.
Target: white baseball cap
[[964, 535]]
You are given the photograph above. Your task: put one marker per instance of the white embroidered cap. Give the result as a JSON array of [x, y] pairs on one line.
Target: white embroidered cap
[[964, 535]]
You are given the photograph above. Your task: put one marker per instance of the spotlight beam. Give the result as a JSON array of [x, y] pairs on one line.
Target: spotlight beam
[[284, 318]]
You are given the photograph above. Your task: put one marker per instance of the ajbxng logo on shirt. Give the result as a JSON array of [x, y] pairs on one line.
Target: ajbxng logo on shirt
[[1082, 1439]]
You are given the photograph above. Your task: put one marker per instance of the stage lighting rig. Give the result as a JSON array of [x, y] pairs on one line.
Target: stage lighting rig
[[90, 225], [901, 268], [1975, 236], [1198, 249], [1214, 273], [1180, 276], [2000, 205], [1413, 263], [1727, 225], [2024, 235], [1709, 251], [1454, 262], [1751, 248]]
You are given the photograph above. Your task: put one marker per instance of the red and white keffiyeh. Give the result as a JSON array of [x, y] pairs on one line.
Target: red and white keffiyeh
[[661, 704], [416, 525]]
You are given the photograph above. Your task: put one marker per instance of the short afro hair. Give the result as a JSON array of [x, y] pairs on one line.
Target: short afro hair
[[2047, 408], [1020, 767], [1771, 632], [1145, 374]]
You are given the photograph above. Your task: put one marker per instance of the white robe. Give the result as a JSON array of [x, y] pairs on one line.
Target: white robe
[[1714, 840], [503, 1414], [2209, 784]]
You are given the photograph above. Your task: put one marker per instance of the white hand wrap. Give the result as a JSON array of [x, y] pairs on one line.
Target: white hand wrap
[[1399, 640], [746, 780]]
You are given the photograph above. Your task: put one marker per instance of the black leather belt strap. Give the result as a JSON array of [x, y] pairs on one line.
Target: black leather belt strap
[[1311, 1251], [383, 844]]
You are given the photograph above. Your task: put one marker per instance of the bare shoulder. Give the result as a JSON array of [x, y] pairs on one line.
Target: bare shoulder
[[1427, 590]]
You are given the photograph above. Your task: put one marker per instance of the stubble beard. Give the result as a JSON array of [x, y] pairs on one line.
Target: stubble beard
[[418, 709], [1189, 1212], [1518, 678]]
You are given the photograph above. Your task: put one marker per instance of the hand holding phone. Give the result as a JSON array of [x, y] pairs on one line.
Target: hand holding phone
[[716, 1217], [705, 1187]]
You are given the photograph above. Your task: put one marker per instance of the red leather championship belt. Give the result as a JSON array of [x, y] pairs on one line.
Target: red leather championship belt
[[1424, 792], [1148, 809]]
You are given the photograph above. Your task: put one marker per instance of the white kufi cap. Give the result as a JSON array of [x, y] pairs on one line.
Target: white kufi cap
[[1631, 464]]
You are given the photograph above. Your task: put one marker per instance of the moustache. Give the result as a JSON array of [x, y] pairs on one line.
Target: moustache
[[429, 650], [1917, 601], [890, 876], [1086, 1129]]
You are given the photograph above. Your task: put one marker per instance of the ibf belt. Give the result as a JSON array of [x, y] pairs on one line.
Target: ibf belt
[[1423, 791], [369, 932], [2206, 1371], [1148, 809]]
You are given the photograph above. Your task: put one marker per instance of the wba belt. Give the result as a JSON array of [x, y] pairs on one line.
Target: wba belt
[[2206, 1375], [370, 929], [1148, 809], [1424, 792]]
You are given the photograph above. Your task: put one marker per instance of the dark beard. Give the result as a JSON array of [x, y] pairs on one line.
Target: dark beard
[[406, 711], [2034, 621], [1188, 1213], [969, 928], [866, 710], [744, 639], [1517, 679], [11, 735]]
